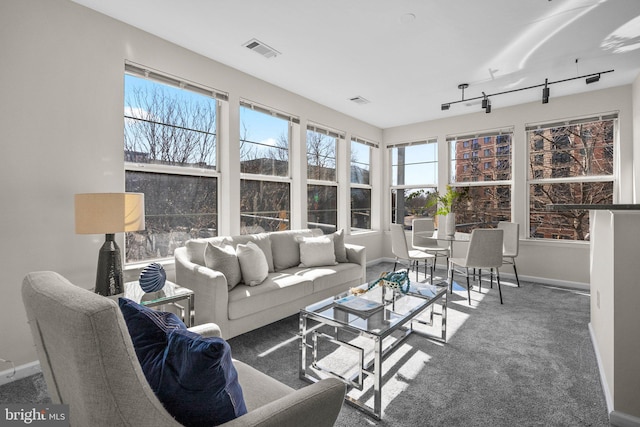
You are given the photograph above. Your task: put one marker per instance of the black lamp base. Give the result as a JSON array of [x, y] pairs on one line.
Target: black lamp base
[[109, 279]]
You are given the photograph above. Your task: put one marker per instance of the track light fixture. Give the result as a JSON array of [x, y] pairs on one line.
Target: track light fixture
[[593, 79], [486, 103]]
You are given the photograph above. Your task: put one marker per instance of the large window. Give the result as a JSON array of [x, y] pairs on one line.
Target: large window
[[360, 184], [569, 163], [322, 185], [265, 185], [170, 156], [481, 170], [414, 176]]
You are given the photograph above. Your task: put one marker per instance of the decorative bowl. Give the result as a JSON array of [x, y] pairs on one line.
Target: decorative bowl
[[152, 278]]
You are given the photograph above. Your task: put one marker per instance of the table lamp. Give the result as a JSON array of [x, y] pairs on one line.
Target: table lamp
[[109, 213]]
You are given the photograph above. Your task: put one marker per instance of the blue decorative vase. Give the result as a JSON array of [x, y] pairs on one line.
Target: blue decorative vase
[[152, 278]]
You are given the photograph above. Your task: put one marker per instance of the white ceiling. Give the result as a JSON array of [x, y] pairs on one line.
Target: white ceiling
[[334, 50]]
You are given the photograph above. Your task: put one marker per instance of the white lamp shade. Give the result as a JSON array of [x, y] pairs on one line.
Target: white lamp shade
[[108, 213]]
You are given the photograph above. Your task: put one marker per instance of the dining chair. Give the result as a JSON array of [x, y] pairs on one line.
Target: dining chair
[[401, 250], [511, 245], [484, 252], [422, 230]]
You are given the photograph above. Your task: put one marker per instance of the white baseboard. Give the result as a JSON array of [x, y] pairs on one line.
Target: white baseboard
[[620, 419], [616, 418], [511, 276], [603, 379], [21, 371]]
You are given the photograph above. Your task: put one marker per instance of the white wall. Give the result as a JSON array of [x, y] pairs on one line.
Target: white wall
[[559, 262], [61, 109]]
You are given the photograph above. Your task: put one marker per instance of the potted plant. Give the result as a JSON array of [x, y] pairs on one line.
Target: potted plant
[[445, 208]]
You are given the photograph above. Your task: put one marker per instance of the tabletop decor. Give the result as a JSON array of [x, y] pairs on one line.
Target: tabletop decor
[[445, 208], [152, 278], [396, 280]]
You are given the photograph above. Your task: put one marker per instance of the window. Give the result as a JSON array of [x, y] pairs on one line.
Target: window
[[361, 184], [414, 175], [265, 184], [487, 192], [570, 163], [170, 156], [322, 185]]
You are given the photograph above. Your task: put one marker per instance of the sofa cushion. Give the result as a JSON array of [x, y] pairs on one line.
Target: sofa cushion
[[327, 277], [278, 288], [196, 248], [223, 258], [285, 248], [253, 263], [340, 249], [193, 377], [316, 251]]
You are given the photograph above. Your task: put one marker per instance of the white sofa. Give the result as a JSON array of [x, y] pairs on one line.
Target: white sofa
[[287, 288]]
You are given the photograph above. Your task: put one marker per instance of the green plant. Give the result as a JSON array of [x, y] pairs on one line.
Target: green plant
[[445, 200]]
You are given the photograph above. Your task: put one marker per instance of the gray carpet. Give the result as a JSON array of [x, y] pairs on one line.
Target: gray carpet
[[529, 362]]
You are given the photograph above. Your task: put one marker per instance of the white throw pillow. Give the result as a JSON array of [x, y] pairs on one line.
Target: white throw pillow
[[223, 259], [338, 242], [253, 263], [317, 251]]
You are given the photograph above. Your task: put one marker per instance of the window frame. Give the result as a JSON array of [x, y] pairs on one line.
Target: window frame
[[165, 79], [394, 188], [339, 138], [496, 158], [293, 122], [355, 185], [531, 181]]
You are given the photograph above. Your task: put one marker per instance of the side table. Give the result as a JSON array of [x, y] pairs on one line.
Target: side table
[[171, 293]]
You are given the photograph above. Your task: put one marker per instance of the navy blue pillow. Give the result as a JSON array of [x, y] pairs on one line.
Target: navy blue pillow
[[192, 376], [148, 329], [199, 385]]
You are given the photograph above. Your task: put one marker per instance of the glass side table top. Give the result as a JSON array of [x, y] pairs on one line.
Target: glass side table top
[[170, 292], [387, 308]]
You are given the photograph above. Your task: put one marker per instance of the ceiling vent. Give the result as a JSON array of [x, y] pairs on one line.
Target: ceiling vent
[[261, 48], [359, 100]]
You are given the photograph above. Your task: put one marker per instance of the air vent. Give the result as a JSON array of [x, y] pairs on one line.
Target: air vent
[[359, 100], [261, 48]]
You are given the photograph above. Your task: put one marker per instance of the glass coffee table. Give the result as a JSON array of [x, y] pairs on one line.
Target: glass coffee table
[[368, 327]]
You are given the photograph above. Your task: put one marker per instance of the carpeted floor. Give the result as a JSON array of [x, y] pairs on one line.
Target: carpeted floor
[[529, 362]]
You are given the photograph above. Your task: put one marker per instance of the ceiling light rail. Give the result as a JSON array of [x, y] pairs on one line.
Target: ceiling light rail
[[486, 102]]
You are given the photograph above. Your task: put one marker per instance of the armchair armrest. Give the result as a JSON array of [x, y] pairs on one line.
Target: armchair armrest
[[210, 287], [316, 405], [207, 330]]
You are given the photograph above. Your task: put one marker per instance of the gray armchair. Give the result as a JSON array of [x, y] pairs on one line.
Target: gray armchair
[[89, 363]]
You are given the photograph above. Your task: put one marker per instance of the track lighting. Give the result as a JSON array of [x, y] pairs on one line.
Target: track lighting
[[545, 92], [486, 103], [592, 79]]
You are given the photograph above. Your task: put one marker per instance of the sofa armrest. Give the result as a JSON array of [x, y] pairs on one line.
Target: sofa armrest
[[358, 255], [316, 405], [210, 287]]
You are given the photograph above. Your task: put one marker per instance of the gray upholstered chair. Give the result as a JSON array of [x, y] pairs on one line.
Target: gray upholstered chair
[[422, 229], [89, 363], [484, 252], [402, 251], [511, 245]]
